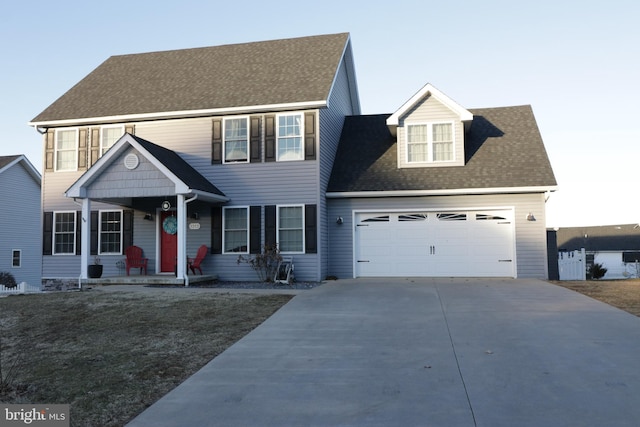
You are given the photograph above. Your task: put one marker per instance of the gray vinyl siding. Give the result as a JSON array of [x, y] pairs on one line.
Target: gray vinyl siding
[[331, 122], [246, 184], [19, 224], [530, 236]]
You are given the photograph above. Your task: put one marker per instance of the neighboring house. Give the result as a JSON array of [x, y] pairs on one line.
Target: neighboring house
[[245, 145], [20, 218], [616, 247]]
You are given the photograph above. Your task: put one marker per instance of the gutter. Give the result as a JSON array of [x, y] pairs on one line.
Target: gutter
[[460, 191]]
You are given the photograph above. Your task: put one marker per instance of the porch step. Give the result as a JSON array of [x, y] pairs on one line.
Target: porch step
[[159, 279]]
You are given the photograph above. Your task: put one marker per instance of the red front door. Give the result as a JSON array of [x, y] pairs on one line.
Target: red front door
[[168, 242]]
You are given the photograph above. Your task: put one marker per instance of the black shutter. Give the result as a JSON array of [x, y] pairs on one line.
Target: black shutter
[[78, 233], [82, 149], [310, 136], [270, 225], [94, 232], [255, 228], [255, 141], [216, 230], [94, 152], [49, 150], [47, 233], [216, 142], [127, 229], [310, 229], [270, 138]]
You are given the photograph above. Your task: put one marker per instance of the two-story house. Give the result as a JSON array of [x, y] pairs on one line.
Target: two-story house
[[243, 145]]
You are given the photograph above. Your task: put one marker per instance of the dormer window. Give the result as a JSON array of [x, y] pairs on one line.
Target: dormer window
[[430, 142]]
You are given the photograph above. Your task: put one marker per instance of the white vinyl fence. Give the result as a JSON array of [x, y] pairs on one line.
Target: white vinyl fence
[[22, 288], [572, 265]]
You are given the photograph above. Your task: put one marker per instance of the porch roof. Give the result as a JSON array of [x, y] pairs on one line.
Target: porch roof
[[185, 178]]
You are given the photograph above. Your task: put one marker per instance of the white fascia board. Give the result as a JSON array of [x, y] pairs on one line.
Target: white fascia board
[[208, 196], [181, 114], [455, 192], [464, 114]]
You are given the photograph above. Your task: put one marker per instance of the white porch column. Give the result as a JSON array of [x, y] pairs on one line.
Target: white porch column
[[85, 244], [182, 236]]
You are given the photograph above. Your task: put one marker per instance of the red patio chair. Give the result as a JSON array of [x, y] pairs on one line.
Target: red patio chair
[[194, 263], [134, 259]]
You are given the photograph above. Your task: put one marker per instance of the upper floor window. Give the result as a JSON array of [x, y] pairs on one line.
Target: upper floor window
[[108, 136], [66, 150], [110, 232], [430, 142], [64, 233], [236, 140], [289, 137], [236, 230], [291, 228]]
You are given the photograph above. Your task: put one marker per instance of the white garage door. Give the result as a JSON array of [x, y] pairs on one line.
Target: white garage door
[[448, 243]]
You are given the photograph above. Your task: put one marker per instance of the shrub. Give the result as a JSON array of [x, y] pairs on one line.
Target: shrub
[[597, 271], [265, 263], [7, 280]]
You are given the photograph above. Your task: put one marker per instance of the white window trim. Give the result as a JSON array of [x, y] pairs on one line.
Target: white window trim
[[430, 142], [224, 139], [53, 243], [224, 229], [100, 212], [278, 228], [55, 150], [277, 125], [102, 128], [19, 251]]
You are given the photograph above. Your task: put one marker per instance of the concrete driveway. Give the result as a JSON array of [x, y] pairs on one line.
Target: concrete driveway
[[422, 352]]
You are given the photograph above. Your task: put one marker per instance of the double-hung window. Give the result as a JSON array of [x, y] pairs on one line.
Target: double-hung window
[[236, 140], [16, 258], [64, 233], [291, 228], [236, 230], [289, 137], [66, 151], [430, 143], [110, 232], [108, 136]]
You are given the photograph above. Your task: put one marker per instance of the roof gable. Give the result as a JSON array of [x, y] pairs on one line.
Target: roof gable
[[177, 83], [184, 177], [426, 91], [7, 162]]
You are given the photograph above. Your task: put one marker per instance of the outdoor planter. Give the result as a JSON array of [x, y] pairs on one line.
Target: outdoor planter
[[94, 271]]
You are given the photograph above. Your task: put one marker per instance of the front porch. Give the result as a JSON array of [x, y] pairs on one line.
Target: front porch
[[158, 279]]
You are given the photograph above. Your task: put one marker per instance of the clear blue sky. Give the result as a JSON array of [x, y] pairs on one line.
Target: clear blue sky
[[576, 62]]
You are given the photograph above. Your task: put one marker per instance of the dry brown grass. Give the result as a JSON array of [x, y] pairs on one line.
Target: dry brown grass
[[112, 354], [623, 294]]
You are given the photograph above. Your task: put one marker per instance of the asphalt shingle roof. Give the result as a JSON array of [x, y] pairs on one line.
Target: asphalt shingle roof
[[503, 149], [5, 160], [248, 74], [600, 238], [179, 167]]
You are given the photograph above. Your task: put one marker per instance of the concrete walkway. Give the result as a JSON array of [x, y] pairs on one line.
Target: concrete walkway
[[422, 352]]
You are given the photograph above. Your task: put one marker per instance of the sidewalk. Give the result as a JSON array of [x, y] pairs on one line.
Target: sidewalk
[[422, 352]]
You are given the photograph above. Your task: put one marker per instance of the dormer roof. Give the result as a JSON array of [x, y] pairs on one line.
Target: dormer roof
[[428, 90]]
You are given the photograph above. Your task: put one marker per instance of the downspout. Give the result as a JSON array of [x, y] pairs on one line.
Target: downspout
[[186, 270]]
